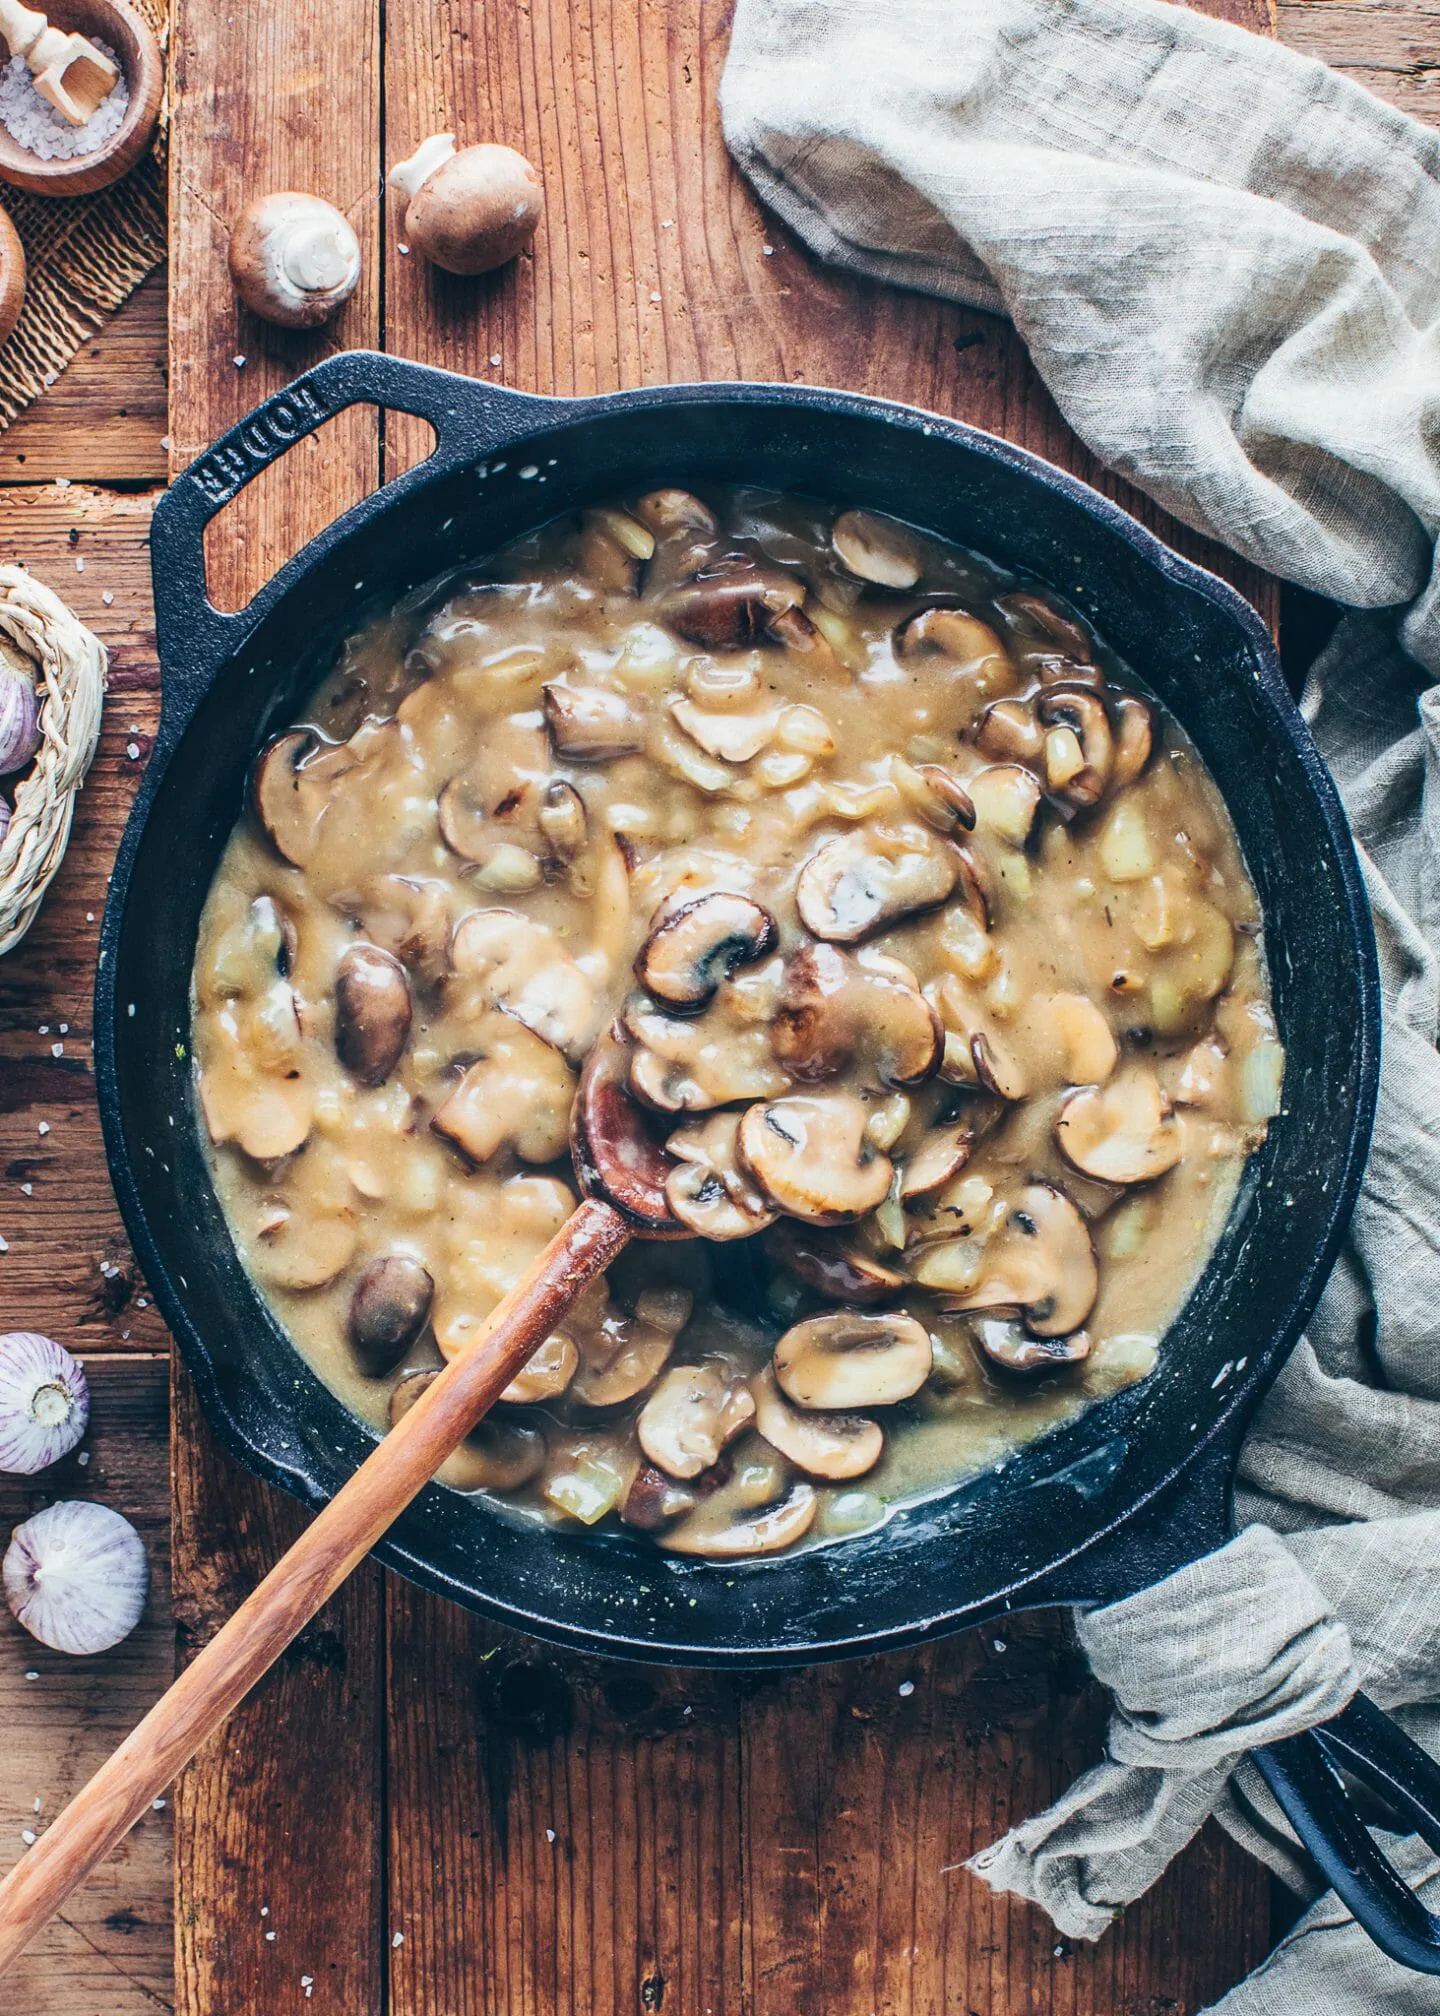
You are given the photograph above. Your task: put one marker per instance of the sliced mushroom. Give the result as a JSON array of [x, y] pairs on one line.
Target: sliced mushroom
[[877, 549], [372, 1013], [563, 821], [516, 963], [871, 877], [709, 1191], [942, 1153], [670, 512], [689, 1064], [1134, 731], [834, 1011], [309, 1235], [694, 1413], [546, 1373], [811, 1157], [606, 561], [1032, 616], [833, 1446], [1008, 732], [410, 916], [291, 785], [853, 1358], [1040, 1261], [623, 1354], [388, 1309], [616, 1155], [265, 1111], [1006, 798], [812, 649], [1086, 1041], [1123, 1132], [1007, 1343], [732, 738], [517, 1095], [654, 1500], [954, 634], [768, 1532], [731, 603], [998, 1068], [471, 829], [1081, 718], [939, 798], [834, 1268], [692, 950], [591, 724]]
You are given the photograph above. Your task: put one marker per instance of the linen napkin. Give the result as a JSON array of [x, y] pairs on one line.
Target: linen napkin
[[1225, 261]]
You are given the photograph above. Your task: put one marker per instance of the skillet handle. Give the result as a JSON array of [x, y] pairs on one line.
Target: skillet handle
[[471, 419], [1304, 1774]]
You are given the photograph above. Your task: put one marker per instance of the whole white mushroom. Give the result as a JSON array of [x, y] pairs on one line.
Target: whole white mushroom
[[294, 259], [468, 209]]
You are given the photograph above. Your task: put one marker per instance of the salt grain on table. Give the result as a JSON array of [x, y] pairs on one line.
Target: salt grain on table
[[28, 118]]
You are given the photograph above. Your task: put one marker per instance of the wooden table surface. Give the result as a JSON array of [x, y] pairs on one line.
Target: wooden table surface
[[419, 1813]]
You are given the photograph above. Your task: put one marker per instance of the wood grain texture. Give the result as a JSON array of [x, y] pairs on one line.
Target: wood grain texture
[[110, 1950], [105, 418], [1392, 50]]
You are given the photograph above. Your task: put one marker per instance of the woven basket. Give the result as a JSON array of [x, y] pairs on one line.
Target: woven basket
[[71, 675]]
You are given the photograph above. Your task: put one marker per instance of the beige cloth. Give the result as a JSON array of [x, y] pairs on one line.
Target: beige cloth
[[1223, 259], [85, 255]]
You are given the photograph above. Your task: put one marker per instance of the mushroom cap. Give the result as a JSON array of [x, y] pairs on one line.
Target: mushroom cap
[[731, 602], [590, 723], [849, 1358], [516, 963], [694, 1412], [517, 1094], [1008, 1344], [1122, 1132], [293, 258], [689, 1064], [1084, 715], [624, 1352], [616, 1155], [291, 783], [861, 880], [767, 1532], [811, 1158], [835, 1010], [1040, 1261], [476, 210], [1035, 617], [877, 549], [824, 1261], [372, 1013], [942, 1153], [388, 1308], [817, 655], [1134, 730], [947, 632], [709, 1191], [692, 950], [832, 1446], [546, 1373]]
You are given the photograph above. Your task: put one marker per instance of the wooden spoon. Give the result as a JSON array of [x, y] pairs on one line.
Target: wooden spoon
[[622, 1171]]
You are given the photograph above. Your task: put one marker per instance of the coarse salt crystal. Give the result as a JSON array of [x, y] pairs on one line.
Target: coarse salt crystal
[[132, 750], [83, 1459], [398, 1940], [107, 598], [39, 128], [157, 1805], [271, 1937], [43, 1128], [549, 1833], [32, 1675], [57, 1049], [27, 1189], [79, 565], [27, 1835], [907, 1687], [495, 359]]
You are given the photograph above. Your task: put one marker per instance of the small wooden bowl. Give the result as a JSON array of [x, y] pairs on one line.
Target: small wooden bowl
[[12, 276], [138, 52]]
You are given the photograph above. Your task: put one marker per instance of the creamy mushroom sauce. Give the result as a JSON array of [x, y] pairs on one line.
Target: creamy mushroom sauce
[[950, 985]]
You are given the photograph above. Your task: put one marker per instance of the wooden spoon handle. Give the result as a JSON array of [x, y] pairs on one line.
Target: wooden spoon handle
[[219, 1678]]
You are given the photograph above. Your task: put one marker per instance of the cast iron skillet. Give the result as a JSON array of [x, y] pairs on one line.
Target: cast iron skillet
[[1131, 1490]]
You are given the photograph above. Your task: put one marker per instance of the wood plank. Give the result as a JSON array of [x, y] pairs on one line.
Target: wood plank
[[69, 1270], [60, 1717], [780, 1842], [104, 420], [1393, 51], [282, 1813]]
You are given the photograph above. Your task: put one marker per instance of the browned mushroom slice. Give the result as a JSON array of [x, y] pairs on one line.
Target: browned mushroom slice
[[563, 821], [944, 632], [291, 785], [835, 1269], [877, 549], [1034, 617], [608, 559], [851, 1358], [940, 799], [546, 1373], [998, 1068], [518, 1095], [1006, 798], [731, 603], [468, 827], [516, 963], [1008, 732], [767, 1532], [591, 724], [654, 1500], [1123, 1132], [624, 1353], [670, 512], [372, 1013], [833, 1446], [942, 1153], [1087, 1044], [813, 651], [835, 1010], [1040, 1261], [1079, 747], [1134, 730], [692, 950], [265, 1111], [616, 1155], [689, 1064], [730, 737], [694, 1413], [410, 916], [709, 1191], [871, 877], [495, 1456], [812, 1158], [388, 1309], [1007, 1343]]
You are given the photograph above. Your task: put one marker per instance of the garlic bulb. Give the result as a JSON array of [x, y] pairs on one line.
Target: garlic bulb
[[19, 709], [76, 1577], [44, 1402]]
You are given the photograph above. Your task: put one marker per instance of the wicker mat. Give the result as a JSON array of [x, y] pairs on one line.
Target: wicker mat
[[85, 255]]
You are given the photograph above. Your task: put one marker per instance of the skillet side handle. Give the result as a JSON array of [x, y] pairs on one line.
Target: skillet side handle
[[1304, 1774], [471, 419]]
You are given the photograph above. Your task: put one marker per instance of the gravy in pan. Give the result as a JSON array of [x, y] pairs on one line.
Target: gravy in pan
[[928, 937]]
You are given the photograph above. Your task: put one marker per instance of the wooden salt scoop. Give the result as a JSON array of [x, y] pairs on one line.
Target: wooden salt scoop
[[622, 1170], [70, 72]]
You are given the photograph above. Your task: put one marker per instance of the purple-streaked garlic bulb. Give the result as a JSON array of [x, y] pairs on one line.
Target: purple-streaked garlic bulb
[[76, 1577], [44, 1402], [7, 813], [19, 709]]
